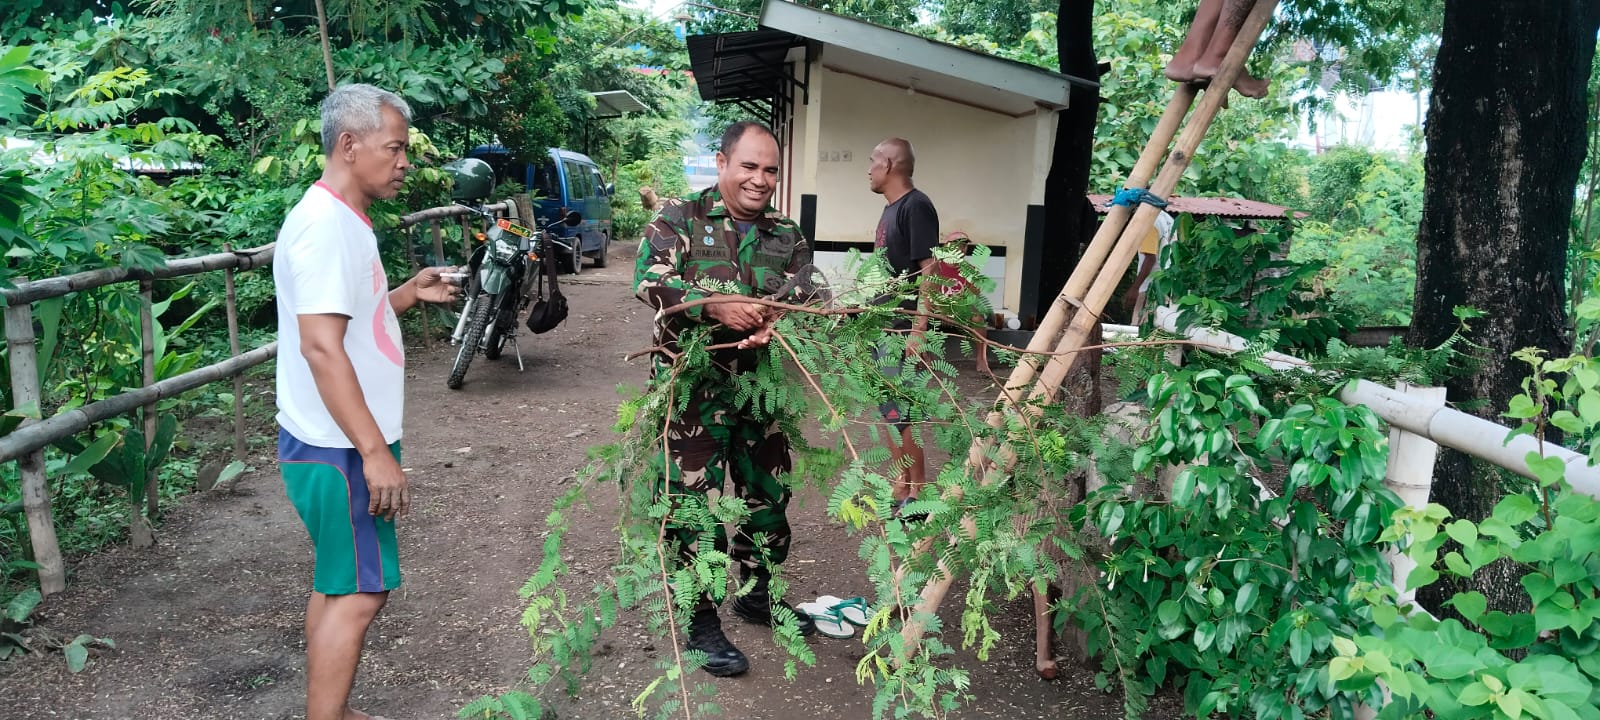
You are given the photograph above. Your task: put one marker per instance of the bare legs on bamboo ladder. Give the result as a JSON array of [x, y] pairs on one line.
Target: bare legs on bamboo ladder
[[1216, 24]]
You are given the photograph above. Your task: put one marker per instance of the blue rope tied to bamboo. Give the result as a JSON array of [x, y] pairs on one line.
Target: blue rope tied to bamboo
[[1129, 196]]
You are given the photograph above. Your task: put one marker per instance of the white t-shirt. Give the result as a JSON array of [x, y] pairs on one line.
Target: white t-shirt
[[1163, 235], [326, 262]]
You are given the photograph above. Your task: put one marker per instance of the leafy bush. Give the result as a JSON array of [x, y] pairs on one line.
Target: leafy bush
[[1540, 662]]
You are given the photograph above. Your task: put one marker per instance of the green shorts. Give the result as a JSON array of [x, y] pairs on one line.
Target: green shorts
[[355, 551]]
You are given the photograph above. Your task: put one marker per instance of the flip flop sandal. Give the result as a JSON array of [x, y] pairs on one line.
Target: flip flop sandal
[[828, 621], [854, 611]]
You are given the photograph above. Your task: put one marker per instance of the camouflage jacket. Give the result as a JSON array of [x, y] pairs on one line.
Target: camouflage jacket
[[693, 250]]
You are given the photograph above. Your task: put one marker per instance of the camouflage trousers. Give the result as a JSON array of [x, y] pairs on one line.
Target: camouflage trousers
[[706, 449]]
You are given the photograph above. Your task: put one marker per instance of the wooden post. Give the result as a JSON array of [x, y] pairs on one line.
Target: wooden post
[[35, 486], [139, 530], [466, 239], [416, 265], [233, 351], [438, 241]]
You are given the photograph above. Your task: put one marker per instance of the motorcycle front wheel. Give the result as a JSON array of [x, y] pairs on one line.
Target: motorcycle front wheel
[[504, 323], [482, 308]]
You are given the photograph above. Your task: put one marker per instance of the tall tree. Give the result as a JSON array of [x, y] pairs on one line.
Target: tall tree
[[1069, 219], [1506, 133]]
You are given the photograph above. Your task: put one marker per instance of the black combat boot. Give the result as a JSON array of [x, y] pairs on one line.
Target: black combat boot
[[705, 635], [757, 606]]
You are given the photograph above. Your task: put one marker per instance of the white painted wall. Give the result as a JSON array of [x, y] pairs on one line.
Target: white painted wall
[[982, 169]]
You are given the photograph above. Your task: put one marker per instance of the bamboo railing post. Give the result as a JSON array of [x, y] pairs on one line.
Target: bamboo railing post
[[438, 241], [1085, 309], [410, 235], [139, 529], [233, 352], [21, 347], [466, 239]]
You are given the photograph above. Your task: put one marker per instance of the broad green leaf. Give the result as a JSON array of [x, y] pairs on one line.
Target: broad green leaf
[[1246, 598], [1516, 509], [22, 605], [1549, 470], [1204, 634], [1470, 604], [1473, 695], [93, 454], [77, 654]]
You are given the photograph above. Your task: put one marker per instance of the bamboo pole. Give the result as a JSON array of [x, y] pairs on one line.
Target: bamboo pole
[[25, 392], [448, 211], [34, 436], [139, 529], [29, 292], [233, 352], [1410, 476], [1092, 304], [327, 51]]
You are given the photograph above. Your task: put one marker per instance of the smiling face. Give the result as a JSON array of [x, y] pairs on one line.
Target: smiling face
[[747, 174], [377, 160]]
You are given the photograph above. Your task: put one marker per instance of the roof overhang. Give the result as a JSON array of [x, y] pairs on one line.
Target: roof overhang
[[917, 64], [740, 66], [613, 103]]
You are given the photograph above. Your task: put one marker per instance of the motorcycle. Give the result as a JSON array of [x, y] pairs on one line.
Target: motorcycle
[[502, 278]]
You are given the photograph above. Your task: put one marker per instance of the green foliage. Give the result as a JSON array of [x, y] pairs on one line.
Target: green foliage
[[1486, 662], [1239, 281], [1363, 232], [663, 173], [1226, 589]]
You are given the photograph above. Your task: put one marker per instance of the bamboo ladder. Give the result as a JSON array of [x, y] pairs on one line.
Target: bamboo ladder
[[1078, 307]]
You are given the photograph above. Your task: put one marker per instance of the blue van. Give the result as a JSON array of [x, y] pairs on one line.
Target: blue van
[[561, 179]]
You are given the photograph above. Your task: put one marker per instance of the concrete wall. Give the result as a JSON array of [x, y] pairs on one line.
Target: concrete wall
[[981, 168]]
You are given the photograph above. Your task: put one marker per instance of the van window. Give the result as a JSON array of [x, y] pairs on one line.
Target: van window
[[599, 182], [579, 182], [545, 181]]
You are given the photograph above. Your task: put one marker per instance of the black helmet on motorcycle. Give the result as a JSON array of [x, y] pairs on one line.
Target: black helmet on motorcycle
[[474, 179]]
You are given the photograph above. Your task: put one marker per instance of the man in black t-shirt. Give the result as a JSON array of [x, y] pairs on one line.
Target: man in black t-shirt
[[907, 232]]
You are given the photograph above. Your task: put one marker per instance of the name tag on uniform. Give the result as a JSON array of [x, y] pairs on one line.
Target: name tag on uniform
[[707, 247]]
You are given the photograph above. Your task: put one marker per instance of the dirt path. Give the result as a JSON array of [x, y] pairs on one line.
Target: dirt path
[[207, 623]]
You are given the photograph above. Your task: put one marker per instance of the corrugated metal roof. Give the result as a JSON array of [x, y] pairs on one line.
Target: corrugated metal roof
[[1212, 207]]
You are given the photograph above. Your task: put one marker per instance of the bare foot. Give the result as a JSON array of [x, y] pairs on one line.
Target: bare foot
[[1180, 71], [1246, 85], [1250, 86]]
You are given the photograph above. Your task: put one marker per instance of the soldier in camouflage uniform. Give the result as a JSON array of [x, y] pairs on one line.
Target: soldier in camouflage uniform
[[727, 240]]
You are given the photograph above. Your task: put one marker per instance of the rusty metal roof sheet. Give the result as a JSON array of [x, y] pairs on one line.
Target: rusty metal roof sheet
[[1212, 207]]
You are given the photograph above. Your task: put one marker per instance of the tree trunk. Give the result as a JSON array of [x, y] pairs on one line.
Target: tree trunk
[[1069, 220], [1506, 137]]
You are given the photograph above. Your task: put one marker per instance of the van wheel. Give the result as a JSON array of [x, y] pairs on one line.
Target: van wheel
[[605, 248], [575, 258]]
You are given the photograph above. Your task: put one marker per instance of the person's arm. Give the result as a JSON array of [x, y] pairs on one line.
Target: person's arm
[[922, 230], [322, 346]]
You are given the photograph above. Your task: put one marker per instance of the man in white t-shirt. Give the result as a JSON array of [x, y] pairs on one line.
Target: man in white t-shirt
[[341, 372]]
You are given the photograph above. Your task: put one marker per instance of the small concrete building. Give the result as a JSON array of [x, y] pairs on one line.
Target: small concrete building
[[832, 88]]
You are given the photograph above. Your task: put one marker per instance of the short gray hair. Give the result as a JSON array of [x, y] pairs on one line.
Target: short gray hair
[[357, 109]]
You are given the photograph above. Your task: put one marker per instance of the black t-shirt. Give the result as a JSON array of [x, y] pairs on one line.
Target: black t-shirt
[[908, 231]]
